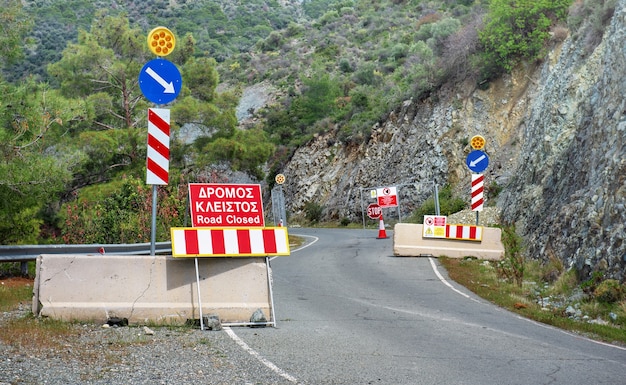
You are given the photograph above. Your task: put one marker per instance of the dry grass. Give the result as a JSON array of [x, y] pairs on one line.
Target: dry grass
[[26, 332], [32, 334], [13, 291]]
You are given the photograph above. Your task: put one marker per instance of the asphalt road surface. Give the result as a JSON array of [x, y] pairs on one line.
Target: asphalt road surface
[[349, 312]]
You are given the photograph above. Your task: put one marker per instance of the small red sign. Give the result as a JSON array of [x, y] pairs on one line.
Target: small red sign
[[226, 205], [387, 196], [374, 211]]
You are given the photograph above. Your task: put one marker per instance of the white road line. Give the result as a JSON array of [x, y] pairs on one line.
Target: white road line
[[253, 352], [315, 239], [256, 355], [445, 282]]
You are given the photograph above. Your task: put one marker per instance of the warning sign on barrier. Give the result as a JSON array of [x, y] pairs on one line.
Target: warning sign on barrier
[[229, 242], [434, 226], [464, 232]]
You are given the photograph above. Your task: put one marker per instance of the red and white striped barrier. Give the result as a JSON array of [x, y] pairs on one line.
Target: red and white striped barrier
[[229, 242], [478, 182], [158, 162], [464, 232]]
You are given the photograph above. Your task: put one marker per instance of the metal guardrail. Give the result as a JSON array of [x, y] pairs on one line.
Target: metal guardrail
[[25, 253]]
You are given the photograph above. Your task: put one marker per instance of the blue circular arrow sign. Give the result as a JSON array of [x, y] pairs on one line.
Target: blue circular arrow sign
[[477, 161], [160, 81]]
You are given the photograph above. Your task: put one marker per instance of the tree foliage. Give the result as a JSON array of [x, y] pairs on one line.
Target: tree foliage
[[518, 30], [246, 151], [33, 170], [105, 61], [14, 25], [120, 212], [88, 128]]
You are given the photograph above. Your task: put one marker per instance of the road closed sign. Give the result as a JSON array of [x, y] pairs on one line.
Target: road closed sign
[[226, 205]]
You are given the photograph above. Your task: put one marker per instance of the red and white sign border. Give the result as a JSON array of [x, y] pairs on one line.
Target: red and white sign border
[[158, 156], [229, 242]]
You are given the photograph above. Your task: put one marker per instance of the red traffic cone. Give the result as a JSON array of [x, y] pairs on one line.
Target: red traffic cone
[[382, 234]]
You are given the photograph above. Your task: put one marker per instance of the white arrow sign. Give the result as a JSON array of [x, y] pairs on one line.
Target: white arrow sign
[[169, 87], [474, 162]]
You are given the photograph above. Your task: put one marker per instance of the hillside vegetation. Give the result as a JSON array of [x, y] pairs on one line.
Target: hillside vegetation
[[73, 120]]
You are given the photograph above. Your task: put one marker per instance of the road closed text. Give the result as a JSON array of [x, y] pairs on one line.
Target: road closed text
[[226, 205], [228, 213]]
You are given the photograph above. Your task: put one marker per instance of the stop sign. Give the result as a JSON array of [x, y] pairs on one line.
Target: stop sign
[[374, 211]]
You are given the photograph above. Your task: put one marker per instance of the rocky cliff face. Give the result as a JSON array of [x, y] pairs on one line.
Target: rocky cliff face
[[555, 137], [568, 194]]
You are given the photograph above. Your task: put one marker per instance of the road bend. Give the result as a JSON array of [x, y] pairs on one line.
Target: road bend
[[349, 312]]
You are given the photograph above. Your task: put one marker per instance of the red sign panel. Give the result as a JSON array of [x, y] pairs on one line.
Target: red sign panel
[[226, 205], [387, 197]]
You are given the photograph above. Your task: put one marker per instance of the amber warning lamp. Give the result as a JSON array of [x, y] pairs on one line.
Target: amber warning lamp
[[161, 41]]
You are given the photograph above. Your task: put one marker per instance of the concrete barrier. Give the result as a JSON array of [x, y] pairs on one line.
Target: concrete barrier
[[149, 289], [408, 242]]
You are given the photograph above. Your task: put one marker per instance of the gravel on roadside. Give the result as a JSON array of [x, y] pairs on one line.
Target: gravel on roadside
[[93, 354], [489, 217]]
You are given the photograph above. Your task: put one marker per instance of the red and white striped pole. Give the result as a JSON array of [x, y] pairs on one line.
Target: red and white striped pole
[[158, 159], [478, 182]]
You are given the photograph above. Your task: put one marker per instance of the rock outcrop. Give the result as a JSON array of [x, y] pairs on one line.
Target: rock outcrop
[[568, 193]]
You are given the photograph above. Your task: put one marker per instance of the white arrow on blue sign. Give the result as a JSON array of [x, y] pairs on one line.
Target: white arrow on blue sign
[[160, 81], [477, 161]]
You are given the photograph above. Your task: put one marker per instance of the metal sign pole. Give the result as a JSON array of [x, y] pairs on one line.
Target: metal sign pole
[[199, 299], [437, 211], [154, 215], [362, 208], [269, 283], [399, 207], [281, 198]]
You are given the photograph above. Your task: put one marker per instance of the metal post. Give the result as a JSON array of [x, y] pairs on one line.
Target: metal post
[[24, 268], [154, 215], [283, 210], [398, 208], [437, 210], [199, 299], [269, 282], [362, 209]]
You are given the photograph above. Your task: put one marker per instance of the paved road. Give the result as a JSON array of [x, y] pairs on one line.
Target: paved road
[[348, 312]]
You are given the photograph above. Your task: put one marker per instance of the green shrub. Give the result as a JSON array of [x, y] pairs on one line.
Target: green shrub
[[517, 30], [590, 285], [492, 191], [448, 204], [313, 211], [609, 291], [513, 265], [588, 19]]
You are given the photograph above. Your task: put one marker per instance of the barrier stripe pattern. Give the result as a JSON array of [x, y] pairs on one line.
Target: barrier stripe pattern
[[158, 162], [229, 242], [478, 182], [464, 232]]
